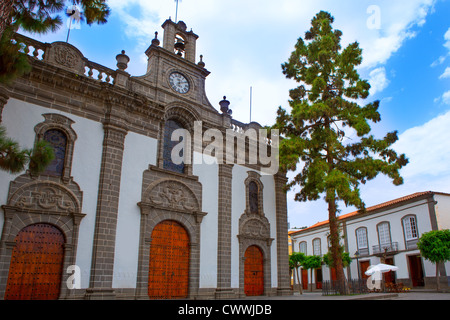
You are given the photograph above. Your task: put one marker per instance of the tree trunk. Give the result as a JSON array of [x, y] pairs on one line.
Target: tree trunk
[[335, 252], [5, 14], [299, 282], [438, 287]]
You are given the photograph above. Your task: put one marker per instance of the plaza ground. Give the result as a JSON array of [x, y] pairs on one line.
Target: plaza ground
[[411, 295]]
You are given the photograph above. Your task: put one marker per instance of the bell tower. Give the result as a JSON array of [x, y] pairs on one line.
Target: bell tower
[[172, 68], [178, 40]]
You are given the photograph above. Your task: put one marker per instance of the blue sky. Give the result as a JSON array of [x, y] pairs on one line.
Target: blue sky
[[406, 58]]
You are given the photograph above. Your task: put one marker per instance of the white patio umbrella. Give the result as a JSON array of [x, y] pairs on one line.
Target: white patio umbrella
[[381, 267]]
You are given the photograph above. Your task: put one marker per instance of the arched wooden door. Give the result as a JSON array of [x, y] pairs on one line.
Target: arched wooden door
[[36, 264], [168, 276], [254, 272]]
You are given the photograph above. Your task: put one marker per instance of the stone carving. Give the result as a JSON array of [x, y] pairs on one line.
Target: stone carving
[[173, 195], [66, 57], [255, 228], [45, 198]]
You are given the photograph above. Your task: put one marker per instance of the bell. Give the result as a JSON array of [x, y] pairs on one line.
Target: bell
[[179, 46]]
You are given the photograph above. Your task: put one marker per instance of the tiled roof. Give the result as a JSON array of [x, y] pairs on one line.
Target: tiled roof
[[372, 208]]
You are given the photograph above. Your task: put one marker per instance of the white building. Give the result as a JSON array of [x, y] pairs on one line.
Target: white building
[[114, 203], [388, 231]]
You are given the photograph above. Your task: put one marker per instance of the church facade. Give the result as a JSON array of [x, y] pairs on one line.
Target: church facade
[[115, 216]]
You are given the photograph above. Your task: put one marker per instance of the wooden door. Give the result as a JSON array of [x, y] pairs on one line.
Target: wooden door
[[168, 276], [36, 264], [318, 272], [253, 272], [363, 266], [416, 271], [389, 277], [305, 278]]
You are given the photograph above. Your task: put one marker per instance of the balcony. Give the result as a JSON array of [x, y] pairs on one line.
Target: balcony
[[391, 247]]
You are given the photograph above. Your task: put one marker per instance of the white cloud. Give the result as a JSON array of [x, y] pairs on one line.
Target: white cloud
[[439, 61], [446, 97], [446, 73], [426, 146], [447, 39], [378, 80]]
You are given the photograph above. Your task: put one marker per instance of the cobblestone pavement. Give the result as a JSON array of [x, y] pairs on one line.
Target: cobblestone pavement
[[412, 295]]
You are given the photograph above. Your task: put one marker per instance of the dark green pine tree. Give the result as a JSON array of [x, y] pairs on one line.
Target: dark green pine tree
[[324, 109]]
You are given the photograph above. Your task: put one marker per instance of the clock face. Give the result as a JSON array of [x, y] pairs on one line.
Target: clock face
[[178, 82]]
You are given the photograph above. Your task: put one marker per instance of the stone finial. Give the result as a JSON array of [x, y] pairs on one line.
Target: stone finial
[[122, 61], [155, 41], [201, 63], [224, 106]]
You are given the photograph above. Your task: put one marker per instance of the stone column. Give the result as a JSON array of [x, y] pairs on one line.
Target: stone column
[[282, 236], [224, 290], [100, 286]]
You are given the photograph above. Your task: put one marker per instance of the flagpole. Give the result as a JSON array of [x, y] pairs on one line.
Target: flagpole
[[70, 25], [176, 11]]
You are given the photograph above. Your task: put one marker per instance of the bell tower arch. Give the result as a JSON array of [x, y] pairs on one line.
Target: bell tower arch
[[178, 40]]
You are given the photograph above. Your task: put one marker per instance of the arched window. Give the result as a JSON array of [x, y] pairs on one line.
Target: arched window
[[253, 196], [410, 227], [317, 251], [58, 140], [384, 234], [361, 241], [168, 162], [302, 247], [410, 231]]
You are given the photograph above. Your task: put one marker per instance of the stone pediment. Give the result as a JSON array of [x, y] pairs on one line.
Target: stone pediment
[[66, 56]]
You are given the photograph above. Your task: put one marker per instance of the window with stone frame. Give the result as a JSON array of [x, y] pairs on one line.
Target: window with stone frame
[[253, 197], [57, 130], [254, 193], [168, 163], [58, 140]]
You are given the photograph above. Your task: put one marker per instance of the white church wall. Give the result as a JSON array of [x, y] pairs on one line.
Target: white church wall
[[270, 213], [86, 172], [85, 166], [208, 177], [139, 152], [238, 208]]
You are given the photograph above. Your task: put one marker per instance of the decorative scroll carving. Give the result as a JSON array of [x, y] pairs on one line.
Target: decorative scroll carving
[[48, 199], [255, 228], [66, 57], [174, 195], [44, 197]]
